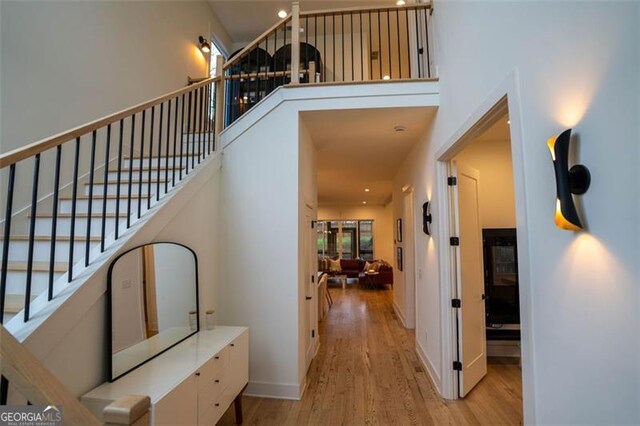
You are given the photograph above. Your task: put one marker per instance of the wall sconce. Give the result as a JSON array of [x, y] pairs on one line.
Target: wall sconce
[[426, 218], [204, 44], [568, 181]]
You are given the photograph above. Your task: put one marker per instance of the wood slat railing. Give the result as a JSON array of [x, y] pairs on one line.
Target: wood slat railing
[[347, 45]]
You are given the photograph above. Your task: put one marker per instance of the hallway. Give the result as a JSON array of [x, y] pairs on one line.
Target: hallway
[[367, 372]]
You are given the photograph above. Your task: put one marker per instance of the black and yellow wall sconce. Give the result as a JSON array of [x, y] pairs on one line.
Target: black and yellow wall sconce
[[204, 45], [426, 217], [569, 181]]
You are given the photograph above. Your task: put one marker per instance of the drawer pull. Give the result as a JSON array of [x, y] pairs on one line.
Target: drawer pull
[[197, 373], [217, 381], [217, 357], [216, 404], [232, 345]]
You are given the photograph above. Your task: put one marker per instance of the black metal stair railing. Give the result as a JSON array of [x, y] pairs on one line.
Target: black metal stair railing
[[348, 45], [153, 144]]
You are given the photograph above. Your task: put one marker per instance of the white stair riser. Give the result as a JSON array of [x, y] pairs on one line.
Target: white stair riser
[[19, 250], [124, 176], [136, 162], [43, 226], [17, 280], [82, 206], [98, 189]]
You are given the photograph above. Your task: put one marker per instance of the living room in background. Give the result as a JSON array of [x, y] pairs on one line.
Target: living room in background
[[346, 239]]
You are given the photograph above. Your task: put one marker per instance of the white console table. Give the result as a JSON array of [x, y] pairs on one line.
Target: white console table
[[193, 383]]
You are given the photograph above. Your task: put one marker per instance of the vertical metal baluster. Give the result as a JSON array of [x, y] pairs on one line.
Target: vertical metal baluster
[[214, 91], [167, 152], [6, 241], [90, 207], [315, 44], [32, 231], [398, 34], [188, 128], [379, 46], [284, 43], [192, 140], [159, 152], [74, 196], [306, 48], [175, 143], [426, 32], [406, 14], [104, 188], [333, 28], [389, 43], [130, 179], [324, 47], [181, 135], [150, 162], [370, 47], [418, 44], [352, 54], [140, 166], [201, 96], [361, 50], [119, 177], [54, 222]]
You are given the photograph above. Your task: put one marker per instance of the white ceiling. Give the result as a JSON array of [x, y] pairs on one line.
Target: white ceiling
[[245, 20], [358, 149]]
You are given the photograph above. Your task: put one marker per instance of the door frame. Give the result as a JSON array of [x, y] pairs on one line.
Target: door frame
[[409, 232], [504, 98]]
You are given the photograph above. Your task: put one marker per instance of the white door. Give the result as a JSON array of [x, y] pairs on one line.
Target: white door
[[311, 294], [472, 341]]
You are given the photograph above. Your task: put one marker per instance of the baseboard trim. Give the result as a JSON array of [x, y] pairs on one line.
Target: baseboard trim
[[399, 314], [429, 368], [275, 390]]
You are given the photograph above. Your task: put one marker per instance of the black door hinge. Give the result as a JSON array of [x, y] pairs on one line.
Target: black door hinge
[[457, 365], [454, 241], [313, 333], [313, 223], [420, 50], [313, 279], [455, 303], [452, 181]]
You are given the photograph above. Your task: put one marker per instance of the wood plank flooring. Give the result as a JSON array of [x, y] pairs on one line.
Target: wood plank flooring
[[367, 373]]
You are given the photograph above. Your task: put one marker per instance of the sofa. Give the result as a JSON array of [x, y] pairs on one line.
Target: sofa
[[355, 268]]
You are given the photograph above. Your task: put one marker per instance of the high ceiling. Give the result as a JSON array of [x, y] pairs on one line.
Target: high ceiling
[[244, 20], [358, 149]]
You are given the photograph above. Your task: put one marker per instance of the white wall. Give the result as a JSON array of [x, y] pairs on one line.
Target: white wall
[[382, 224], [577, 65], [492, 158]]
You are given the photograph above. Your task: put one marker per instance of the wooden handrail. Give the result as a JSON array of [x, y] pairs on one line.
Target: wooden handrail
[[255, 42], [347, 10], [30, 150]]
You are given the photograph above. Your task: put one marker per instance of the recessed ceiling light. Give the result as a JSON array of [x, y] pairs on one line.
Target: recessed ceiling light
[[386, 77], [367, 190], [399, 128], [282, 14], [400, 3], [364, 202]]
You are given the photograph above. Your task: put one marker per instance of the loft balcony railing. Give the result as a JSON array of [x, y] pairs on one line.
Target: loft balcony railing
[[352, 45]]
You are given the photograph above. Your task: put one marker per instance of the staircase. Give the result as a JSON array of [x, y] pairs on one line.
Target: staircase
[[136, 158]]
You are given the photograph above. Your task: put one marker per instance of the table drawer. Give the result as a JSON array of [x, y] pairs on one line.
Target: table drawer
[[211, 393], [213, 367]]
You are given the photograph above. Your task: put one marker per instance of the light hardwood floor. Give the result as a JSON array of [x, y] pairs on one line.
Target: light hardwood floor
[[367, 373]]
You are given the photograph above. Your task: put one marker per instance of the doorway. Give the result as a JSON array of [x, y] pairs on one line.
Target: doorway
[[485, 273]]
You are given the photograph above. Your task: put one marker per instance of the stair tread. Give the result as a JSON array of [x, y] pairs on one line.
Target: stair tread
[[37, 266], [191, 154], [125, 181], [48, 238], [80, 215], [144, 169], [99, 197], [14, 303]]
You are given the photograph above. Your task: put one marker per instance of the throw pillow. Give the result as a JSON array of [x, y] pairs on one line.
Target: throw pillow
[[334, 265], [374, 267]]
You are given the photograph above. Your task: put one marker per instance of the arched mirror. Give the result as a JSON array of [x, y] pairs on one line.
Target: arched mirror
[[152, 303]]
